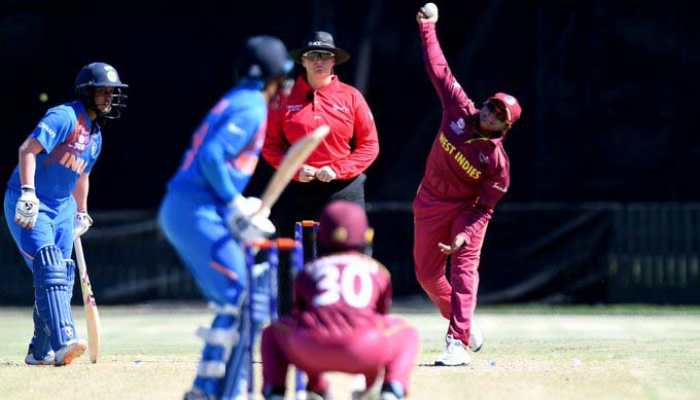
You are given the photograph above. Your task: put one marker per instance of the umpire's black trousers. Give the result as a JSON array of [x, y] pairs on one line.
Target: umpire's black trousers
[[305, 201]]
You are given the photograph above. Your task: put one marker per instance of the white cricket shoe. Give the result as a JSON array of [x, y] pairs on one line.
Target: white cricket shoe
[[72, 350], [454, 355], [48, 359], [476, 339]]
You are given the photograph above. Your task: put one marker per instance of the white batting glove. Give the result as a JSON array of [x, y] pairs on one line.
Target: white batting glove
[[27, 208], [246, 222], [307, 173], [326, 174], [83, 222], [428, 13]]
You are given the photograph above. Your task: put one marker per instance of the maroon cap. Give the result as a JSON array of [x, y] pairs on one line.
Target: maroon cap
[[511, 104], [343, 226]]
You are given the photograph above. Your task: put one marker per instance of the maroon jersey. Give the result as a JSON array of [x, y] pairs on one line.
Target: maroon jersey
[[338, 294], [462, 166]]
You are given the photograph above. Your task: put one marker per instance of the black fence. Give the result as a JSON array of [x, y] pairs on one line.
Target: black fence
[[553, 253]]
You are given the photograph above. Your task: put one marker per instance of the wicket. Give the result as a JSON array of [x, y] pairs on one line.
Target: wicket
[[263, 284], [309, 247]]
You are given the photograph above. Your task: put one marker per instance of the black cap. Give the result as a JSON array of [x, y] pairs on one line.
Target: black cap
[[320, 40]]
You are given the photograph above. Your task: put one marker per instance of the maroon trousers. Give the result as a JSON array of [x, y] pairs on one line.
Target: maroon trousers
[[437, 221], [391, 346]]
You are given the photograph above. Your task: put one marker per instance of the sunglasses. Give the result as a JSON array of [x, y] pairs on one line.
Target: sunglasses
[[318, 55], [499, 112]]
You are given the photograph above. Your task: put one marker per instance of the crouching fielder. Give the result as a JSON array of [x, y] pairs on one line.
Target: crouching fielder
[[466, 174], [339, 320], [207, 220]]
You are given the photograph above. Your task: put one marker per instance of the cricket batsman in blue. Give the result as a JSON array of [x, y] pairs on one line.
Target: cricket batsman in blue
[[207, 219], [47, 194]]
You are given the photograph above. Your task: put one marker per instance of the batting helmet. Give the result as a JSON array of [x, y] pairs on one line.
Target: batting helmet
[[264, 58], [100, 75]]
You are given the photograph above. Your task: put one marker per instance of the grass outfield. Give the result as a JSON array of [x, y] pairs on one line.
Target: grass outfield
[[150, 352]]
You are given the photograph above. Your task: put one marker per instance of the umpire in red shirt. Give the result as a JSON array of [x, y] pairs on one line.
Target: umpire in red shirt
[[335, 170]]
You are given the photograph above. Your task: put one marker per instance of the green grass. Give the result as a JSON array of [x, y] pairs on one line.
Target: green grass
[[531, 352]]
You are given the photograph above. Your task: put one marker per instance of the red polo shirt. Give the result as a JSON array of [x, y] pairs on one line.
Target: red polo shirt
[[350, 147]]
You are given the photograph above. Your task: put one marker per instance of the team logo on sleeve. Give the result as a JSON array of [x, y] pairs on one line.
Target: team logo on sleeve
[[93, 149], [47, 128], [457, 126]]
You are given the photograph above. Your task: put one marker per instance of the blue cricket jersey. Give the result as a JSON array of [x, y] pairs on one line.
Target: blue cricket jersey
[[226, 145], [72, 142]]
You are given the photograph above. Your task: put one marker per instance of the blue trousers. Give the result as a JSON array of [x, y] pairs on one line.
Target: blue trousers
[[194, 224]]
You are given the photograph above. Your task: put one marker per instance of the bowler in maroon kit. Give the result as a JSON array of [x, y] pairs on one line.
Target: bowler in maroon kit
[[466, 174], [339, 322]]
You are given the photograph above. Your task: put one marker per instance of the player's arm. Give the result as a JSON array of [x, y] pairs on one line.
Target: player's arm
[[366, 143], [27, 207], [229, 137], [83, 221], [51, 130], [448, 89], [216, 159], [80, 193], [27, 161]]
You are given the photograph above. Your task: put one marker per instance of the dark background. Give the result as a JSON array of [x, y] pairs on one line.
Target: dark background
[[608, 89], [603, 205]]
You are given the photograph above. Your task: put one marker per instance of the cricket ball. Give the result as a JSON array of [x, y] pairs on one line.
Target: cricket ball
[[430, 10]]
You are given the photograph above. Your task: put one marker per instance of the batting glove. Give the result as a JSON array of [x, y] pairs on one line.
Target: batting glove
[[246, 222], [83, 222], [27, 209]]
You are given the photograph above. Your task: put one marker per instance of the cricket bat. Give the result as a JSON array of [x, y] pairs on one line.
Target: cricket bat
[[295, 157], [92, 317]]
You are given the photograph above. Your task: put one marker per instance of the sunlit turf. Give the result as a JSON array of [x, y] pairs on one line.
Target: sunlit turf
[[531, 352]]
